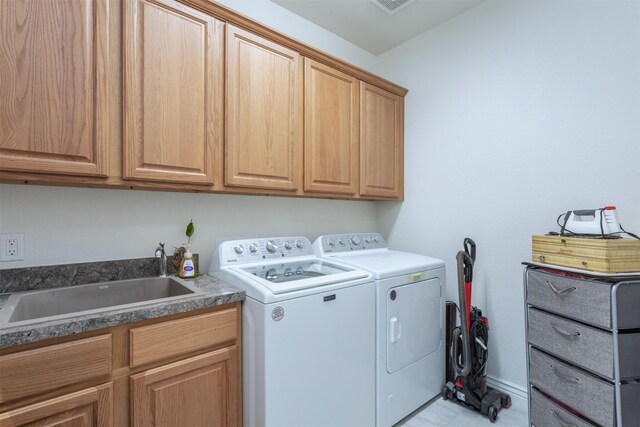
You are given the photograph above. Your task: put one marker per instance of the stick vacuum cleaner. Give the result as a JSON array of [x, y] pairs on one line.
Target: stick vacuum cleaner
[[469, 350]]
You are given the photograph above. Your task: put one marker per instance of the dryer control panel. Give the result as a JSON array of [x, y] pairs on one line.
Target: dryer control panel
[[336, 243], [234, 252]]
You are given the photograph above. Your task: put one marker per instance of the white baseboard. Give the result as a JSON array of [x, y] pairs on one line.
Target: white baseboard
[[518, 393]]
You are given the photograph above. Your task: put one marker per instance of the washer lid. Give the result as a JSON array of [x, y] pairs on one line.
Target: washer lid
[[292, 276], [386, 263]]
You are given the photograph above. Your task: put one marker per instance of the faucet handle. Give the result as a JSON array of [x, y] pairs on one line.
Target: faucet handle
[[160, 250]]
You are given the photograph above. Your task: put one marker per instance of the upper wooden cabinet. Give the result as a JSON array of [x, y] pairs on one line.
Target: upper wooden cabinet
[[331, 130], [187, 95], [173, 92], [54, 57], [264, 113], [381, 142]]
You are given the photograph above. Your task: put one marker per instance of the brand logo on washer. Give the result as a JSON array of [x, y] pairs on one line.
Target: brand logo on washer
[[277, 314]]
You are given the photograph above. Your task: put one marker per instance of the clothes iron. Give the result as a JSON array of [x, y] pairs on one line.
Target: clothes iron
[[601, 222]]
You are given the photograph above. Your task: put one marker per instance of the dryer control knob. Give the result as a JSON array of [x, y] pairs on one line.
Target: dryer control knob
[[299, 244], [253, 248], [355, 240], [239, 249], [271, 246]]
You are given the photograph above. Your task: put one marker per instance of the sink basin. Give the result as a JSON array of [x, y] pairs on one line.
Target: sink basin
[[25, 307]]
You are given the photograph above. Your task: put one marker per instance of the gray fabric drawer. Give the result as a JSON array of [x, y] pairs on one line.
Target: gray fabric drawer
[[588, 301], [583, 392], [545, 412], [590, 348]]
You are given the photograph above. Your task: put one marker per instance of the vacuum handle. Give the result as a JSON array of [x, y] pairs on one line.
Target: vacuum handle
[[470, 248], [462, 332]]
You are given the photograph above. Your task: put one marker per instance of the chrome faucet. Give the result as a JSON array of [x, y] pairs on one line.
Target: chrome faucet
[[162, 260]]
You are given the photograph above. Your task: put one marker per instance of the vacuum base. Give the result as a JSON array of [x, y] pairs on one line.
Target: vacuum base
[[490, 404]]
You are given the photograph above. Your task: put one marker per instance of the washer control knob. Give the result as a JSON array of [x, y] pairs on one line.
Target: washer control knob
[[367, 239], [271, 246], [341, 242], [253, 248], [239, 249], [331, 242], [355, 240], [299, 244], [376, 239], [288, 245]]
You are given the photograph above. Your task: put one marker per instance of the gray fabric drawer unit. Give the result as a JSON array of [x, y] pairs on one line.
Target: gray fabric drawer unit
[[588, 301], [546, 413], [583, 348], [583, 345]]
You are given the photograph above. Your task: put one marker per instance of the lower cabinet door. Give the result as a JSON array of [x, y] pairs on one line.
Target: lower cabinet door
[[199, 391], [91, 407]]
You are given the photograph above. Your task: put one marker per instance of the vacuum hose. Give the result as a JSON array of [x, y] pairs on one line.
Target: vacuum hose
[[462, 332]]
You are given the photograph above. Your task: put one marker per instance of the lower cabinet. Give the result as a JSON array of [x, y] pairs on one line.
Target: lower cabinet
[[190, 375], [191, 392], [91, 407]]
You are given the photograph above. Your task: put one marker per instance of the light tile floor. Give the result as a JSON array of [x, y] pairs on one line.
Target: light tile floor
[[446, 413]]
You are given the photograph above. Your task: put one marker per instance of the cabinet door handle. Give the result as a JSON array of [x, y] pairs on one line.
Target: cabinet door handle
[[565, 377], [561, 421], [558, 291], [561, 331]]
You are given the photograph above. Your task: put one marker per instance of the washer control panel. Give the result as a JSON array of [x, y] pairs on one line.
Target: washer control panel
[[334, 243], [259, 249]]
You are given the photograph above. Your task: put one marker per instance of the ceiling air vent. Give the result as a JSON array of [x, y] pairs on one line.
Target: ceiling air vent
[[391, 6]]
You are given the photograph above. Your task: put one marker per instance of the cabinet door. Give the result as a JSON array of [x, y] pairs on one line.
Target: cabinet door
[[172, 92], [331, 129], [264, 113], [381, 142], [200, 391], [91, 407], [53, 86]]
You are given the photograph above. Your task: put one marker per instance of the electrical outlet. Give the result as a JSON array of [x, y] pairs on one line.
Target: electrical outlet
[[12, 247]]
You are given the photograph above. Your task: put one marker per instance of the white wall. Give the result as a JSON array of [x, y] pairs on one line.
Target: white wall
[[517, 111], [66, 225]]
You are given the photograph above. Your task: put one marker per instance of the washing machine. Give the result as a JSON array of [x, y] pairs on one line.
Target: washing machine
[[308, 334], [409, 320]]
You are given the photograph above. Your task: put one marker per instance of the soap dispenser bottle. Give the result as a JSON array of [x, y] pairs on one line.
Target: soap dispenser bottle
[[187, 266]]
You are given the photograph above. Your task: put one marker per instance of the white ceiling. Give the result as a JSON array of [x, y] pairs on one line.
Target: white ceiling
[[366, 25]]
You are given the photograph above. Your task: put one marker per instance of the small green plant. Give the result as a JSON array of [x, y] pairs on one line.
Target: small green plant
[[189, 231]]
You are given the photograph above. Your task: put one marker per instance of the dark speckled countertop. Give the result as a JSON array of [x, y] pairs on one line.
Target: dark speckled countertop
[[215, 292]]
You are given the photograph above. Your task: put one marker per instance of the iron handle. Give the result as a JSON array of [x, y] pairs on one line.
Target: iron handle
[[565, 377], [558, 291], [563, 332], [561, 421]]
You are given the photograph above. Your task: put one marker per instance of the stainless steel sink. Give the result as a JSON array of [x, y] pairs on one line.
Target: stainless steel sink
[[29, 307]]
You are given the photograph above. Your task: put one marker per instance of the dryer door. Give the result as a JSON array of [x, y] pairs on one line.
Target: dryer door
[[413, 322]]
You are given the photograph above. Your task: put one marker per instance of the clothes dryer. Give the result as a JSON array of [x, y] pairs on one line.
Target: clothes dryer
[[409, 320]]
